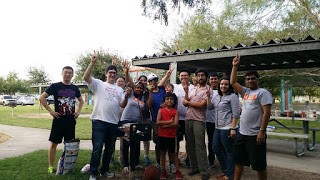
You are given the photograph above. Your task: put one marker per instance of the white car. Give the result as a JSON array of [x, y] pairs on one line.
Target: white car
[[7, 99], [25, 100]]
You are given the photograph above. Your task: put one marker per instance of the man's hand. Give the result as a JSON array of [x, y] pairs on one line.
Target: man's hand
[[125, 65], [169, 72], [186, 88], [208, 91], [94, 57], [233, 133], [260, 138], [55, 114], [114, 61], [185, 103], [76, 115], [236, 60]]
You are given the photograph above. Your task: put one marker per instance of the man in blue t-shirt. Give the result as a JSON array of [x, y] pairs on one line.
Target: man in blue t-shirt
[[64, 114]]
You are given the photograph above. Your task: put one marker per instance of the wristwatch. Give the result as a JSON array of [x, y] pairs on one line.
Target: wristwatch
[[263, 130]]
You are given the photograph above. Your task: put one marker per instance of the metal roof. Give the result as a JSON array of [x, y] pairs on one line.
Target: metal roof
[[287, 54]]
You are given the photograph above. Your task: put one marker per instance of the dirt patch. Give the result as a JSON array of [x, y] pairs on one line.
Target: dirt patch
[[4, 137], [274, 173]]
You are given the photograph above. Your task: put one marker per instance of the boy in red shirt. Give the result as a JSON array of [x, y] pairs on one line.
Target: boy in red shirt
[[167, 120]]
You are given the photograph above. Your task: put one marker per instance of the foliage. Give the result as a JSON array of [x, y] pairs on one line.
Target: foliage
[[37, 75], [105, 59], [160, 9], [13, 84]]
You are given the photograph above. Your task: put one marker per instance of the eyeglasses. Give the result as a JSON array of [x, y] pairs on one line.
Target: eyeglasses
[[252, 79]]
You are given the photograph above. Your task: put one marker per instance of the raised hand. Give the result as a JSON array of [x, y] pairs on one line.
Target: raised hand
[[208, 91], [125, 65], [114, 61], [94, 57], [169, 72], [236, 60]]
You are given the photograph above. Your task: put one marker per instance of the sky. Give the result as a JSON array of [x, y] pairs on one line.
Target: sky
[[54, 33]]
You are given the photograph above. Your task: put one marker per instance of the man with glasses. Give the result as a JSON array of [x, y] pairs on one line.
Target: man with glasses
[[250, 145], [108, 98]]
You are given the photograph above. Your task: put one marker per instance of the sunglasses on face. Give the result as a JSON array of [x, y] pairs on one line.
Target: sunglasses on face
[[252, 79]]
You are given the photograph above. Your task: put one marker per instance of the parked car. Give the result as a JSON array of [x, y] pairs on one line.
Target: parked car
[[25, 100], [50, 100], [7, 99]]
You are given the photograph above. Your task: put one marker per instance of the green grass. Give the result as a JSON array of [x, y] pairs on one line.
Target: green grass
[[21, 117], [83, 128], [35, 166]]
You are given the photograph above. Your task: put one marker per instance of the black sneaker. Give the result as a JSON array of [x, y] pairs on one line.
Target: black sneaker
[[193, 172], [205, 176]]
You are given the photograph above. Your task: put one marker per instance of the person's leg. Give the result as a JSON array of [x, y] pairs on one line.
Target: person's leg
[[98, 134], [125, 153], [238, 171], [109, 140], [146, 146], [52, 153], [218, 149], [228, 144], [163, 159], [262, 175], [257, 157], [210, 130], [201, 151], [55, 138], [240, 155], [191, 145]]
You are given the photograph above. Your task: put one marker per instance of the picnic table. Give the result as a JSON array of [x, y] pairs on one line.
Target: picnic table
[[305, 136]]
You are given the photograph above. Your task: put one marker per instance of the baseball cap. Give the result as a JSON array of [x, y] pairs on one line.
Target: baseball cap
[[152, 77]]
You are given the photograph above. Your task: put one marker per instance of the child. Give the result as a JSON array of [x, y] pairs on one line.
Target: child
[[169, 89], [167, 120]]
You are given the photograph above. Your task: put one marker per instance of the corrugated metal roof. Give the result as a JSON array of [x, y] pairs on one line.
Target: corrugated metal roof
[[286, 54]]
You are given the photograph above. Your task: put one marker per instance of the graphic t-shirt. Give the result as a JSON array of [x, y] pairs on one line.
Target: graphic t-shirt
[[65, 97], [251, 115]]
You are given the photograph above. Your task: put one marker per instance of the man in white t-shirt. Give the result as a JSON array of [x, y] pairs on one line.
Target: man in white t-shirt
[[105, 117]]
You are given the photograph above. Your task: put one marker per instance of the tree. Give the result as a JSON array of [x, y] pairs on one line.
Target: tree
[[159, 9], [105, 59], [13, 84], [37, 75]]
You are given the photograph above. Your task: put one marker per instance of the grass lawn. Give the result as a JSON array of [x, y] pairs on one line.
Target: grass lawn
[[28, 116], [34, 166]]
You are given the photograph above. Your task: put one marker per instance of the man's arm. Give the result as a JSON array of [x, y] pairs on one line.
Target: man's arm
[[81, 102], [88, 72], [233, 79], [264, 123], [165, 78], [200, 104], [44, 103]]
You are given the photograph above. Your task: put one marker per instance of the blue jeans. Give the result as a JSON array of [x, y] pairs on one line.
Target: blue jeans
[[224, 150], [103, 133]]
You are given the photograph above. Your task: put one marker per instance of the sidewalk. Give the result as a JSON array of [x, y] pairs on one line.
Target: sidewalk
[[280, 153]]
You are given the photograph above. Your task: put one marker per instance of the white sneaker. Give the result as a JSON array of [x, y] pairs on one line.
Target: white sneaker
[[108, 174], [85, 168], [93, 177], [125, 170]]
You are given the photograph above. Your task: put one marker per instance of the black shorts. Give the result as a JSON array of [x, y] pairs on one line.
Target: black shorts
[[166, 143], [64, 127], [247, 152]]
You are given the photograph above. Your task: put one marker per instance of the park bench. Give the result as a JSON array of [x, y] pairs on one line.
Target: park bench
[[313, 130], [298, 152]]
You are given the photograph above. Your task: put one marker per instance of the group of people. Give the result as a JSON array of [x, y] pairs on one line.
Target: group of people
[[176, 111]]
